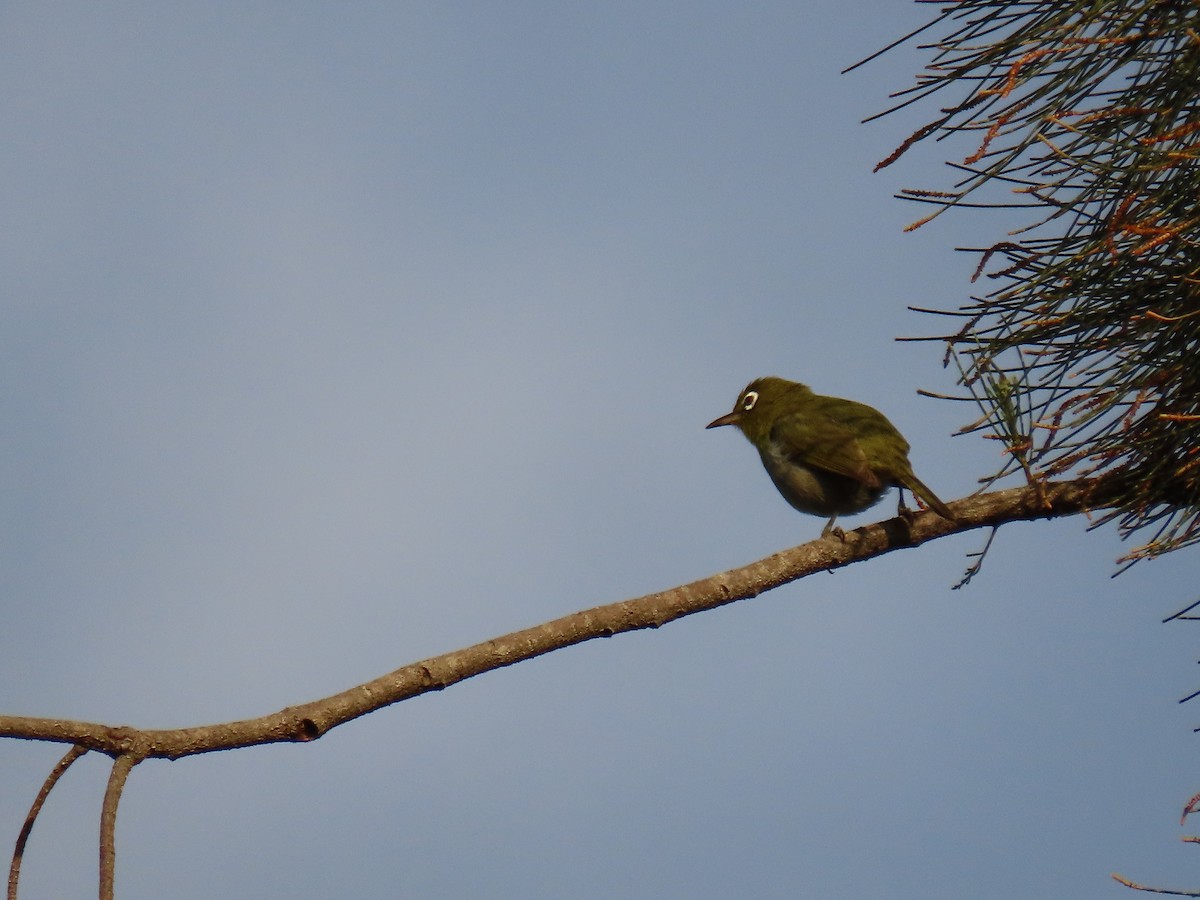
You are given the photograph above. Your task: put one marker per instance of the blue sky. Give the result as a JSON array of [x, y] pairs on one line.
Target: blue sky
[[336, 336]]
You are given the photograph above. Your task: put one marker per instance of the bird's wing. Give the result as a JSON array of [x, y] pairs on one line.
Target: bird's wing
[[823, 443]]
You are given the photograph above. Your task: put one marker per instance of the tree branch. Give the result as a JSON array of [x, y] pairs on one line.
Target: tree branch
[[309, 721]]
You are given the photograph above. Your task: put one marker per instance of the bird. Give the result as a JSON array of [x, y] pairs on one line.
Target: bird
[[826, 456]]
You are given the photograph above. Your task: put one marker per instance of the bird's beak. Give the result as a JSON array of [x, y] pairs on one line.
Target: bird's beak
[[728, 419]]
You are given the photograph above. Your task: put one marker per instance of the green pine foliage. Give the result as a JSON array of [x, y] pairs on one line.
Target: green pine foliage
[[1084, 355]]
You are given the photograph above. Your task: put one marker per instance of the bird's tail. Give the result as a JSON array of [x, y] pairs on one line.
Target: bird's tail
[[914, 484]]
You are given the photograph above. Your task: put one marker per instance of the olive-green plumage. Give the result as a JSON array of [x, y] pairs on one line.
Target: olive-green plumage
[[827, 456]]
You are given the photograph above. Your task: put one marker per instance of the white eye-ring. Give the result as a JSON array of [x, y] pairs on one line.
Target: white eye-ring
[[749, 400]]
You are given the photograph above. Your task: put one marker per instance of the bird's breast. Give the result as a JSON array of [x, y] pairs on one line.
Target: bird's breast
[[816, 491]]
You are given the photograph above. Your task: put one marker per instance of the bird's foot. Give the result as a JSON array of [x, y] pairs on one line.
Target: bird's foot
[[834, 530], [903, 510]]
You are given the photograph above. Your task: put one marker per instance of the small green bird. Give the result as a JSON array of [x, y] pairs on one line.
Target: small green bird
[[827, 456]]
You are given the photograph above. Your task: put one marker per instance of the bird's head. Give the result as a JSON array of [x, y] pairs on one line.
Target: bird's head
[[760, 404]]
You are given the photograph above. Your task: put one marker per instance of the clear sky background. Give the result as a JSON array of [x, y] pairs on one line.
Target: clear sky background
[[335, 336]]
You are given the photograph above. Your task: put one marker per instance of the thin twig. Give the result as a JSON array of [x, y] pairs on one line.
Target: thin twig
[[977, 566], [1189, 808], [1153, 890], [1182, 614], [108, 822], [14, 869]]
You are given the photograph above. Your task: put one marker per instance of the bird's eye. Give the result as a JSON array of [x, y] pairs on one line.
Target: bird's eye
[[749, 400]]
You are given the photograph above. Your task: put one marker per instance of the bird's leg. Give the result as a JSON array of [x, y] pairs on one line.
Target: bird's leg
[[902, 509], [831, 529]]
